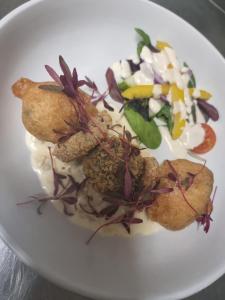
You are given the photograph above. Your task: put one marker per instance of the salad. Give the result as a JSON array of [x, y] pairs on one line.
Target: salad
[[161, 99]]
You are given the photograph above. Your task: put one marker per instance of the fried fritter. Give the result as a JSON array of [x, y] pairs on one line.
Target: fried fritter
[[151, 172], [170, 209], [104, 167], [81, 143], [44, 112]]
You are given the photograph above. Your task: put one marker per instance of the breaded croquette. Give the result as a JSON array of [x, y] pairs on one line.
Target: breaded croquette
[[81, 143], [44, 112], [176, 210], [104, 167]]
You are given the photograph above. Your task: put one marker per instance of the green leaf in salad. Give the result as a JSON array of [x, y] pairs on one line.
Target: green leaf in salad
[[123, 86], [145, 37], [192, 81], [166, 115], [140, 45], [193, 112], [141, 106], [145, 40], [147, 131]]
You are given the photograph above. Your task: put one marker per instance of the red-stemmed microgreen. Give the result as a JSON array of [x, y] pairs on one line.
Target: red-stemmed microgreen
[[66, 190], [206, 219], [113, 87], [125, 219]]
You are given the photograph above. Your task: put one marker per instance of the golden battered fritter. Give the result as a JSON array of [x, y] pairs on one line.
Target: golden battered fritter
[[106, 171], [151, 172], [81, 143], [170, 209], [44, 111]]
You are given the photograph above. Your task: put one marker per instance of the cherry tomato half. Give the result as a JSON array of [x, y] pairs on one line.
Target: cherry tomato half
[[209, 141]]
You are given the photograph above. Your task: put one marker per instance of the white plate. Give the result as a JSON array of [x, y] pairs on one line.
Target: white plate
[[91, 35]]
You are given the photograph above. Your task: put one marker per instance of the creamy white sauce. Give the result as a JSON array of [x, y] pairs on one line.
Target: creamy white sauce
[[154, 106], [176, 147], [146, 55], [140, 77], [42, 165], [157, 90], [180, 107], [121, 70], [192, 136]]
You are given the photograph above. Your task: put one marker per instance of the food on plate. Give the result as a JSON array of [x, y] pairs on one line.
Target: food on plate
[[80, 143], [92, 166], [45, 109], [151, 175], [192, 186], [209, 140], [104, 167], [161, 93]]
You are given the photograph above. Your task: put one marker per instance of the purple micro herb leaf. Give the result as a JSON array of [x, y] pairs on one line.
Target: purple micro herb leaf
[[157, 78], [112, 86], [135, 221], [75, 77], [205, 219], [107, 106], [91, 84], [126, 226], [69, 200], [172, 177], [134, 67], [127, 182], [208, 109], [109, 211], [53, 74]]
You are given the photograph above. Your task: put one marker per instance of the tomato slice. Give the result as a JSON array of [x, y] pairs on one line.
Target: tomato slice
[[209, 141]]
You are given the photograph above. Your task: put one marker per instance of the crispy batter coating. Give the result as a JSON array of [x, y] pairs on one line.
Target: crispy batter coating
[[151, 172], [171, 210], [106, 171], [81, 143], [44, 111]]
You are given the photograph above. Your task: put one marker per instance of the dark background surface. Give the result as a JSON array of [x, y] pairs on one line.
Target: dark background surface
[[19, 282]]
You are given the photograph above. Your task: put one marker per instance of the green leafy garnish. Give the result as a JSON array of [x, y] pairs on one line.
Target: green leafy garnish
[[166, 115], [193, 112], [123, 86], [192, 81], [140, 45], [147, 131], [141, 106], [145, 37], [145, 40]]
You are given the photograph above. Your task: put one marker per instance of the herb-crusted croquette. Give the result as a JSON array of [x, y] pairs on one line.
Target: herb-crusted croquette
[[104, 167], [81, 143]]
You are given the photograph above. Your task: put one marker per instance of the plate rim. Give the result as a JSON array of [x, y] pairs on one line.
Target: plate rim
[[45, 272]]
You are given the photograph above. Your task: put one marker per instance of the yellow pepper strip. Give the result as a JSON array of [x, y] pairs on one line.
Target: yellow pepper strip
[[178, 126], [138, 91], [144, 91], [202, 93], [177, 94], [161, 45], [147, 91], [165, 89], [170, 66]]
